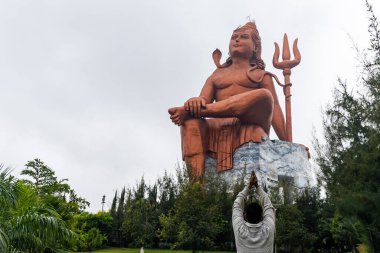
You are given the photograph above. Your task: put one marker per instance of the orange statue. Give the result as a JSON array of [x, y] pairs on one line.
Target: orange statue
[[237, 104]]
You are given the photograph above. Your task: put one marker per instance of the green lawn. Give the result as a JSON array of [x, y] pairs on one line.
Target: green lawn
[[121, 250]]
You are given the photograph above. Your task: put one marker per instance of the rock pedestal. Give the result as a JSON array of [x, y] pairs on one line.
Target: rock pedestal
[[272, 161]]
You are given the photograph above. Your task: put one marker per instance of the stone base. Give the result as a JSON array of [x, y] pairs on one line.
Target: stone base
[[272, 161]]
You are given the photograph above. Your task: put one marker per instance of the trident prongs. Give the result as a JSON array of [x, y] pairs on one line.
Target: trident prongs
[[286, 63]]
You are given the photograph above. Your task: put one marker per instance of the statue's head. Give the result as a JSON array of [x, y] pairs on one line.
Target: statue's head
[[253, 213], [249, 29]]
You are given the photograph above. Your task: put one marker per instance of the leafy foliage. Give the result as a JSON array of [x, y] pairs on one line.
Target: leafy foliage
[[26, 223], [198, 223], [92, 230], [44, 179], [54, 192], [94, 239], [350, 156]]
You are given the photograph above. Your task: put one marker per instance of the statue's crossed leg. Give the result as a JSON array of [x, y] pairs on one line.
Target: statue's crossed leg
[[252, 107]]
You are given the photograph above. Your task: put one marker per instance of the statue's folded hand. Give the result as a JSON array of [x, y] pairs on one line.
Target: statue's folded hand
[[194, 106]]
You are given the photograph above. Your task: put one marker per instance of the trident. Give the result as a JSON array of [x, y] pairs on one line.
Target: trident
[[286, 65]]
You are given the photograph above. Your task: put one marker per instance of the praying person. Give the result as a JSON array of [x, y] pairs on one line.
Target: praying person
[[254, 225]]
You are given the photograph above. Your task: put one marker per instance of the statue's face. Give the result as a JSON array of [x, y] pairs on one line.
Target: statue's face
[[241, 44]]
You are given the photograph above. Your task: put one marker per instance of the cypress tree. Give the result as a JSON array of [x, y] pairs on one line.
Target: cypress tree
[[113, 206]]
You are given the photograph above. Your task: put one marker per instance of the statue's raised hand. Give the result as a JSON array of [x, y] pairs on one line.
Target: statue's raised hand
[[194, 106]]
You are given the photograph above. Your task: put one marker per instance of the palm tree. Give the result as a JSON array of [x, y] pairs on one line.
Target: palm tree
[[7, 200], [26, 224]]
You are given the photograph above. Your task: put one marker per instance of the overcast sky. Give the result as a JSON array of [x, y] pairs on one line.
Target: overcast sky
[[85, 85]]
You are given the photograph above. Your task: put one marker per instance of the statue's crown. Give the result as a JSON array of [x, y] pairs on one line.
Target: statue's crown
[[248, 26]]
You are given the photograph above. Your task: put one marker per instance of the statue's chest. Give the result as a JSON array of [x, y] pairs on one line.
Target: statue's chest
[[234, 80]]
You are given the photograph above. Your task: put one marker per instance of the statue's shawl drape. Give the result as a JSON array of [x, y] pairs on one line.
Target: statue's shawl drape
[[226, 135]]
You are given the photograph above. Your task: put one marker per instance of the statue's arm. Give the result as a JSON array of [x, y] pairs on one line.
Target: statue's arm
[[208, 91], [278, 120], [195, 104]]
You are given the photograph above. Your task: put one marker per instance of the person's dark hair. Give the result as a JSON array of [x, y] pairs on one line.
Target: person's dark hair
[[254, 212]]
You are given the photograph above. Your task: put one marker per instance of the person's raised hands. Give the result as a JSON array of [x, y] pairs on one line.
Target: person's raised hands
[[253, 180]]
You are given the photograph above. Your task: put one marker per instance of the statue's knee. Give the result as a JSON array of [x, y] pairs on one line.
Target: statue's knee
[[265, 96]]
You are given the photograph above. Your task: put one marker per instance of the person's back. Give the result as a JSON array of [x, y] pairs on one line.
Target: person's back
[[257, 233]]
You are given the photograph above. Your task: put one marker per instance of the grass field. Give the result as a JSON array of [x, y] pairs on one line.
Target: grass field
[[121, 250]]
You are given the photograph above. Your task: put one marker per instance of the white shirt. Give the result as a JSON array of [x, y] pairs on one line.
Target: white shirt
[[253, 237]]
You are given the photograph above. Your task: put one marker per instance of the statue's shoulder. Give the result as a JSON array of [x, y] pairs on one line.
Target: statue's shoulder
[[258, 75], [218, 72]]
